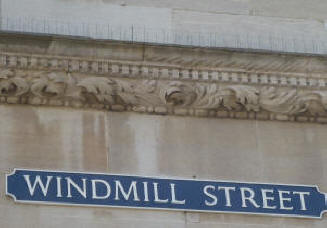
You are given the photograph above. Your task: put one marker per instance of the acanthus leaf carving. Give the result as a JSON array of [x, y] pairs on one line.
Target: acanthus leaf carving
[[314, 102], [49, 85], [177, 94], [142, 93], [11, 85], [279, 102], [212, 96], [240, 95], [208, 96], [291, 102], [161, 96], [99, 89]]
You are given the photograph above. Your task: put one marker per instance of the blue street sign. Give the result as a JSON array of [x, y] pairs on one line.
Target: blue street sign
[[92, 189]]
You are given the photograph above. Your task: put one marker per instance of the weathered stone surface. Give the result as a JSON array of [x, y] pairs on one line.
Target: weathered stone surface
[[254, 151], [293, 153], [129, 143], [286, 9], [247, 24], [69, 74], [50, 138]]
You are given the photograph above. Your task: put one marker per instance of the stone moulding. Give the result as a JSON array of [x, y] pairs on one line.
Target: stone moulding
[[128, 69], [159, 89], [159, 79]]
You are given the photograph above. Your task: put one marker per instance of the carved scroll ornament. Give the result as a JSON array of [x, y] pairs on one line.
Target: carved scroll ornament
[[159, 96]]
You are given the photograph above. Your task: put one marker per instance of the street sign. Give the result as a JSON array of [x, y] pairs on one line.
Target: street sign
[[109, 190]]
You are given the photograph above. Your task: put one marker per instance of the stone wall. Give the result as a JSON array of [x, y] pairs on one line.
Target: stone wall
[[75, 104], [166, 146], [286, 26]]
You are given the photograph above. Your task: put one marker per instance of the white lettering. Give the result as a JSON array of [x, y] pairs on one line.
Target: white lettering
[[302, 200], [59, 187], [282, 200], [266, 198], [227, 194], [146, 192], [213, 197], [248, 198], [70, 183], [39, 182], [173, 196], [94, 189], [156, 195], [132, 187]]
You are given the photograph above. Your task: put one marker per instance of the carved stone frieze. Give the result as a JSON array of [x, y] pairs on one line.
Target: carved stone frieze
[[162, 96], [161, 79]]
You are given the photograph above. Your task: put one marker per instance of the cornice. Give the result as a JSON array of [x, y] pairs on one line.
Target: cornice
[[166, 86]]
